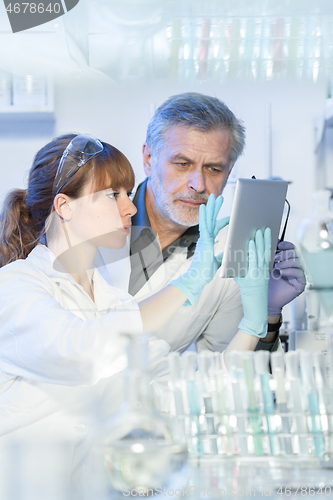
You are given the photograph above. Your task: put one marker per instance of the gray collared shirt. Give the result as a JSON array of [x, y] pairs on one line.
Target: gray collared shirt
[[146, 255]]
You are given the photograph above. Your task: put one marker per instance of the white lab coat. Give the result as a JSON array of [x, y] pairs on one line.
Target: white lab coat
[[60, 351], [213, 320]]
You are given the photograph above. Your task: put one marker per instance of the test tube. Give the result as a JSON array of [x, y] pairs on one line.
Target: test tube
[[219, 50], [329, 337], [312, 308], [189, 48], [324, 394], [235, 39], [292, 373], [236, 372], [329, 373], [266, 64], [189, 362], [322, 382], [277, 364], [310, 36], [293, 44], [217, 362], [176, 386], [262, 368], [249, 47], [219, 397], [308, 384], [223, 406], [205, 366], [277, 34], [204, 46], [175, 48], [248, 358]]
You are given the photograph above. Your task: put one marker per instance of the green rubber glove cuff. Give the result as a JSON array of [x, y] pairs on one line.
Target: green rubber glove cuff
[[258, 329], [189, 289]]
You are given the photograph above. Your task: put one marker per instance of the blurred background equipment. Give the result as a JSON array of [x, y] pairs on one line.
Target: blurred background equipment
[[182, 40], [315, 244]]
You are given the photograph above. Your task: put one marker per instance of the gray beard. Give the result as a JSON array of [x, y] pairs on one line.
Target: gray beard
[[185, 216]]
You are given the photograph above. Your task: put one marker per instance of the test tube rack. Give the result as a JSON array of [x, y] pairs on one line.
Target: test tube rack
[[230, 421]]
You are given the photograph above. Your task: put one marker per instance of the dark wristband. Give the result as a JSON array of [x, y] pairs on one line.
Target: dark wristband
[[274, 327], [264, 346]]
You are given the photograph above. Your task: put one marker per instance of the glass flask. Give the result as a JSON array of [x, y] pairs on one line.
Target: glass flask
[[315, 244], [141, 453]]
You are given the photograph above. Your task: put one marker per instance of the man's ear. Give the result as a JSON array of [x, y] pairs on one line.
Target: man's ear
[[146, 154], [62, 207]]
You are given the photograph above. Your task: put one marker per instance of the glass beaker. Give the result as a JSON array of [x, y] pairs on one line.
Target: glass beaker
[[141, 453]]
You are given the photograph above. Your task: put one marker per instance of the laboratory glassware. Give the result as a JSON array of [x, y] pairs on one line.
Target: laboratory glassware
[[312, 400], [205, 366], [277, 363], [141, 451], [237, 382], [262, 368], [315, 243], [248, 366], [292, 371], [189, 366]]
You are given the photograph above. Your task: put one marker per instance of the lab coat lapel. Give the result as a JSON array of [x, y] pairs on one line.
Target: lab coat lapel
[[114, 265]]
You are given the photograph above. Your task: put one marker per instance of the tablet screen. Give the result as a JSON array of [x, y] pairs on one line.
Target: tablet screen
[[257, 204]]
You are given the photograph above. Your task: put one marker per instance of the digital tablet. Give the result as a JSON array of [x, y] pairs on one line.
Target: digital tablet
[[257, 204]]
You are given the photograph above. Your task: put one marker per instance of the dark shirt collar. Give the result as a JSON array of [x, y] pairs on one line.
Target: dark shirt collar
[[146, 255], [141, 217]]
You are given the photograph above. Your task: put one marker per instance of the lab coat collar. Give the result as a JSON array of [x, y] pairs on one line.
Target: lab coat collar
[[42, 258]]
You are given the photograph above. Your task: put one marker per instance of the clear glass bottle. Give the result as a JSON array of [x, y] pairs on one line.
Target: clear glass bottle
[[315, 243], [141, 452]]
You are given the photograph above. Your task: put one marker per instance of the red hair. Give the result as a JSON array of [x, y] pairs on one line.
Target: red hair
[[22, 221]]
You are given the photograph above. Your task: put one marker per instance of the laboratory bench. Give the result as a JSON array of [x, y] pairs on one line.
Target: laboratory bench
[[230, 478]]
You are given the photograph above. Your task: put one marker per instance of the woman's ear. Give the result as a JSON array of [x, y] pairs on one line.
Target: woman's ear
[[62, 207]]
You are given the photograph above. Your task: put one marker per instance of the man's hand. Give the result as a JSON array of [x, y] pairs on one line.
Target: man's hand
[[204, 264], [254, 286], [287, 279]]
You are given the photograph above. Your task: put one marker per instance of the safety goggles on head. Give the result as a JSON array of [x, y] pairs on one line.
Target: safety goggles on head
[[80, 150]]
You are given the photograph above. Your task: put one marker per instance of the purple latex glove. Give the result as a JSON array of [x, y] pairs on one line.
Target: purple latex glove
[[287, 279]]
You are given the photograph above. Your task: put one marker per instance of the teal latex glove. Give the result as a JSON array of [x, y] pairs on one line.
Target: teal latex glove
[[254, 286], [204, 264]]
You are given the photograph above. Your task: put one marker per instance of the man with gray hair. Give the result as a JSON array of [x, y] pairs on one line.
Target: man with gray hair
[[192, 143]]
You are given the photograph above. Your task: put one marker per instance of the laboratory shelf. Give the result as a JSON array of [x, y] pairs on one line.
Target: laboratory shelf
[[13, 113], [29, 107]]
